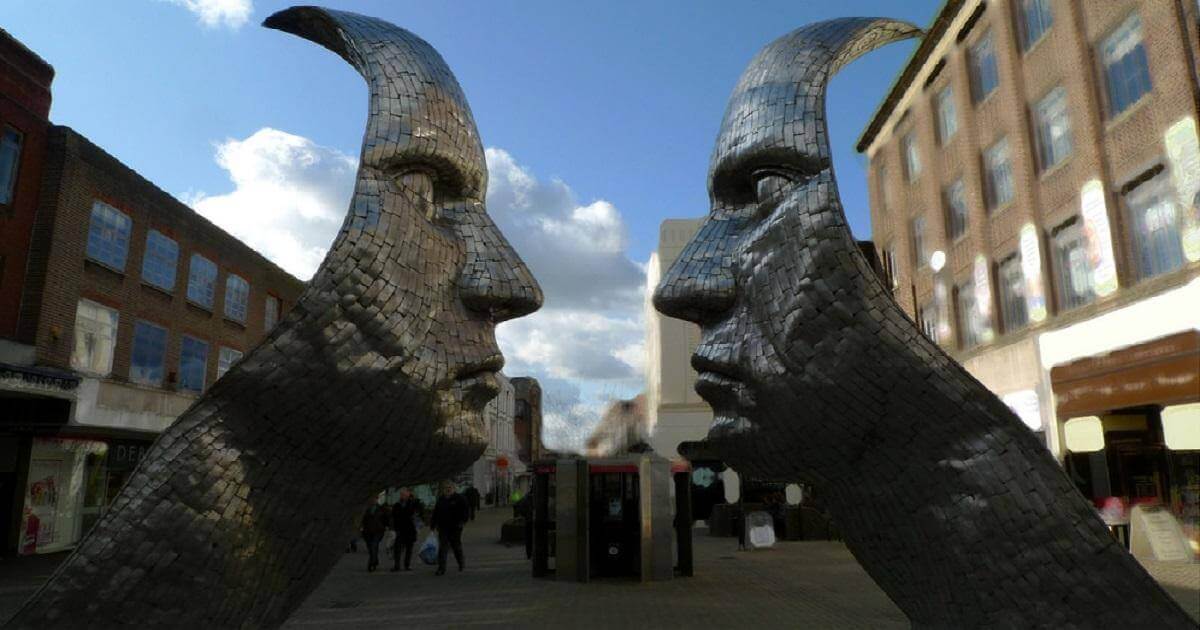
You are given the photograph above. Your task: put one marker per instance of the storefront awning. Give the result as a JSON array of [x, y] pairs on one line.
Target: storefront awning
[[1165, 371]]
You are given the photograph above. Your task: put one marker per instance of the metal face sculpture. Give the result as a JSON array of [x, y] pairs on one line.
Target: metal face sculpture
[[377, 377], [814, 373]]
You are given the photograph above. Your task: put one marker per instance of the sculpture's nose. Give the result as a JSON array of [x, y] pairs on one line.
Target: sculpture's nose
[[494, 280], [700, 284]]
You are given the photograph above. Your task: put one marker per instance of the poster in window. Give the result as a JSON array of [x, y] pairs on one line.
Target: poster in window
[[1099, 238], [1183, 151], [1031, 269]]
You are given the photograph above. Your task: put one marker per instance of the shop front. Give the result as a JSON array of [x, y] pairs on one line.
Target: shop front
[[1131, 426]]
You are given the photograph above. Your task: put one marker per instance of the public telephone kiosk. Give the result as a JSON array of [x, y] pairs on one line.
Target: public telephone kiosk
[[621, 517]]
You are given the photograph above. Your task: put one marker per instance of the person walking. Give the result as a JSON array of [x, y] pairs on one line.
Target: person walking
[[472, 496], [450, 513], [405, 511], [372, 532]]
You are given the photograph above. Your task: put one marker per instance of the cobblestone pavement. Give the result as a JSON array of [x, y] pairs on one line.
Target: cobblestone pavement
[[796, 584]]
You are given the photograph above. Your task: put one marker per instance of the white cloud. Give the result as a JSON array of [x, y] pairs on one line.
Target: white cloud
[[213, 13], [290, 195], [573, 344]]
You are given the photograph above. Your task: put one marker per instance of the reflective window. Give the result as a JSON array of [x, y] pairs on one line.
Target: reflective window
[[108, 236], [1053, 128], [95, 338], [947, 118], [202, 281], [10, 159], [927, 317], [225, 360], [912, 156], [984, 76], [271, 316], [998, 174], [954, 197], [887, 260], [193, 363], [1073, 272], [1126, 71], [149, 351], [237, 295], [158, 263], [1012, 294], [917, 238], [1035, 20], [972, 325], [1154, 221]]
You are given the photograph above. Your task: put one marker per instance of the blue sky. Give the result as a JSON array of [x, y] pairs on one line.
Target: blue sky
[[602, 117]]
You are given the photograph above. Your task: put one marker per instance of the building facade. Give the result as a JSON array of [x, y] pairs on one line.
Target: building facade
[[674, 411], [497, 472], [1035, 200], [129, 306]]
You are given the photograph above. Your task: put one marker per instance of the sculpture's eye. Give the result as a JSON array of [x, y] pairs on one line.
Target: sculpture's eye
[[769, 184], [422, 184]]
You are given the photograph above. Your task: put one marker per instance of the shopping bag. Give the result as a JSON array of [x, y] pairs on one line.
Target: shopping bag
[[389, 539], [429, 550], [761, 530]]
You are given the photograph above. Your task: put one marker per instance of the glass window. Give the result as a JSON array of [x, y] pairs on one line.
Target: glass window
[[888, 261], [1073, 272], [272, 313], [971, 324], [202, 281], [237, 294], [946, 115], [885, 197], [917, 237], [193, 363], [927, 317], [1126, 71], [158, 264], [1154, 221], [1053, 128], [984, 76], [225, 360], [1035, 20], [95, 338], [10, 159], [956, 209], [149, 351], [998, 173], [108, 236], [912, 157], [1012, 294]]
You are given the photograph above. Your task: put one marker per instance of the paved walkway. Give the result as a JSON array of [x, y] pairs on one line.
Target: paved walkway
[[796, 584]]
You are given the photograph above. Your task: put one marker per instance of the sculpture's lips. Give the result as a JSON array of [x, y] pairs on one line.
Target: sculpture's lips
[[479, 380], [490, 365]]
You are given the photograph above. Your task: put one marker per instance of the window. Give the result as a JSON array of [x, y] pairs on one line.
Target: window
[[984, 76], [1154, 222], [888, 261], [272, 312], [917, 237], [108, 236], [885, 197], [95, 338], [225, 360], [971, 323], [912, 157], [956, 210], [1073, 273], [193, 361], [237, 294], [1126, 70], [149, 350], [1012, 294], [947, 118], [202, 281], [158, 264], [927, 318], [1053, 128], [998, 174], [10, 159], [1034, 19]]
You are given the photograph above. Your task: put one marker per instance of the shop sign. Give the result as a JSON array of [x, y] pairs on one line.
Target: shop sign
[[1031, 268], [1183, 152], [1099, 237], [126, 455], [983, 299]]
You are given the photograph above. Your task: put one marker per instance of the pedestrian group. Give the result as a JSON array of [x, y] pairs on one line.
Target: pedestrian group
[[395, 527]]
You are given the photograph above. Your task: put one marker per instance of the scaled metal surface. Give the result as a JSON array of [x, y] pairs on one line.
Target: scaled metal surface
[[377, 377], [814, 373]]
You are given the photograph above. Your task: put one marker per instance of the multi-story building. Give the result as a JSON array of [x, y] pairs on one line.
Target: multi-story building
[[495, 473], [1035, 197], [674, 411], [131, 305], [527, 419]]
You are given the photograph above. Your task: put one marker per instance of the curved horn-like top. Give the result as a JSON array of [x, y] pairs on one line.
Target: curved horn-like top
[[779, 101], [418, 112]]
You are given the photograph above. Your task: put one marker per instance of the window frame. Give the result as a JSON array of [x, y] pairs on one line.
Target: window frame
[[183, 370], [212, 288], [227, 364], [943, 97], [277, 302], [14, 173], [98, 235], [1150, 252], [1011, 303], [148, 258], [1046, 22], [237, 301], [968, 338], [912, 156], [975, 68], [114, 326], [1043, 129], [954, 210], [1106, 68], [990, 189], [917, 241], [1073, 230], [139, 325]]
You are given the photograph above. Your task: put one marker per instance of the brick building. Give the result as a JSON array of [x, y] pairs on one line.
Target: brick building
[[1035, 198], [131, 304]]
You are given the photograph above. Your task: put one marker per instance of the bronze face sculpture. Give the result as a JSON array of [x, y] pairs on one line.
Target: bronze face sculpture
[[814, 373], [377, 377]]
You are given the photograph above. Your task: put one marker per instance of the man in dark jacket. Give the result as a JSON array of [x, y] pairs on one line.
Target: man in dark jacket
[[372, 533], [450, 513], [404, 515], [472, 496]]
